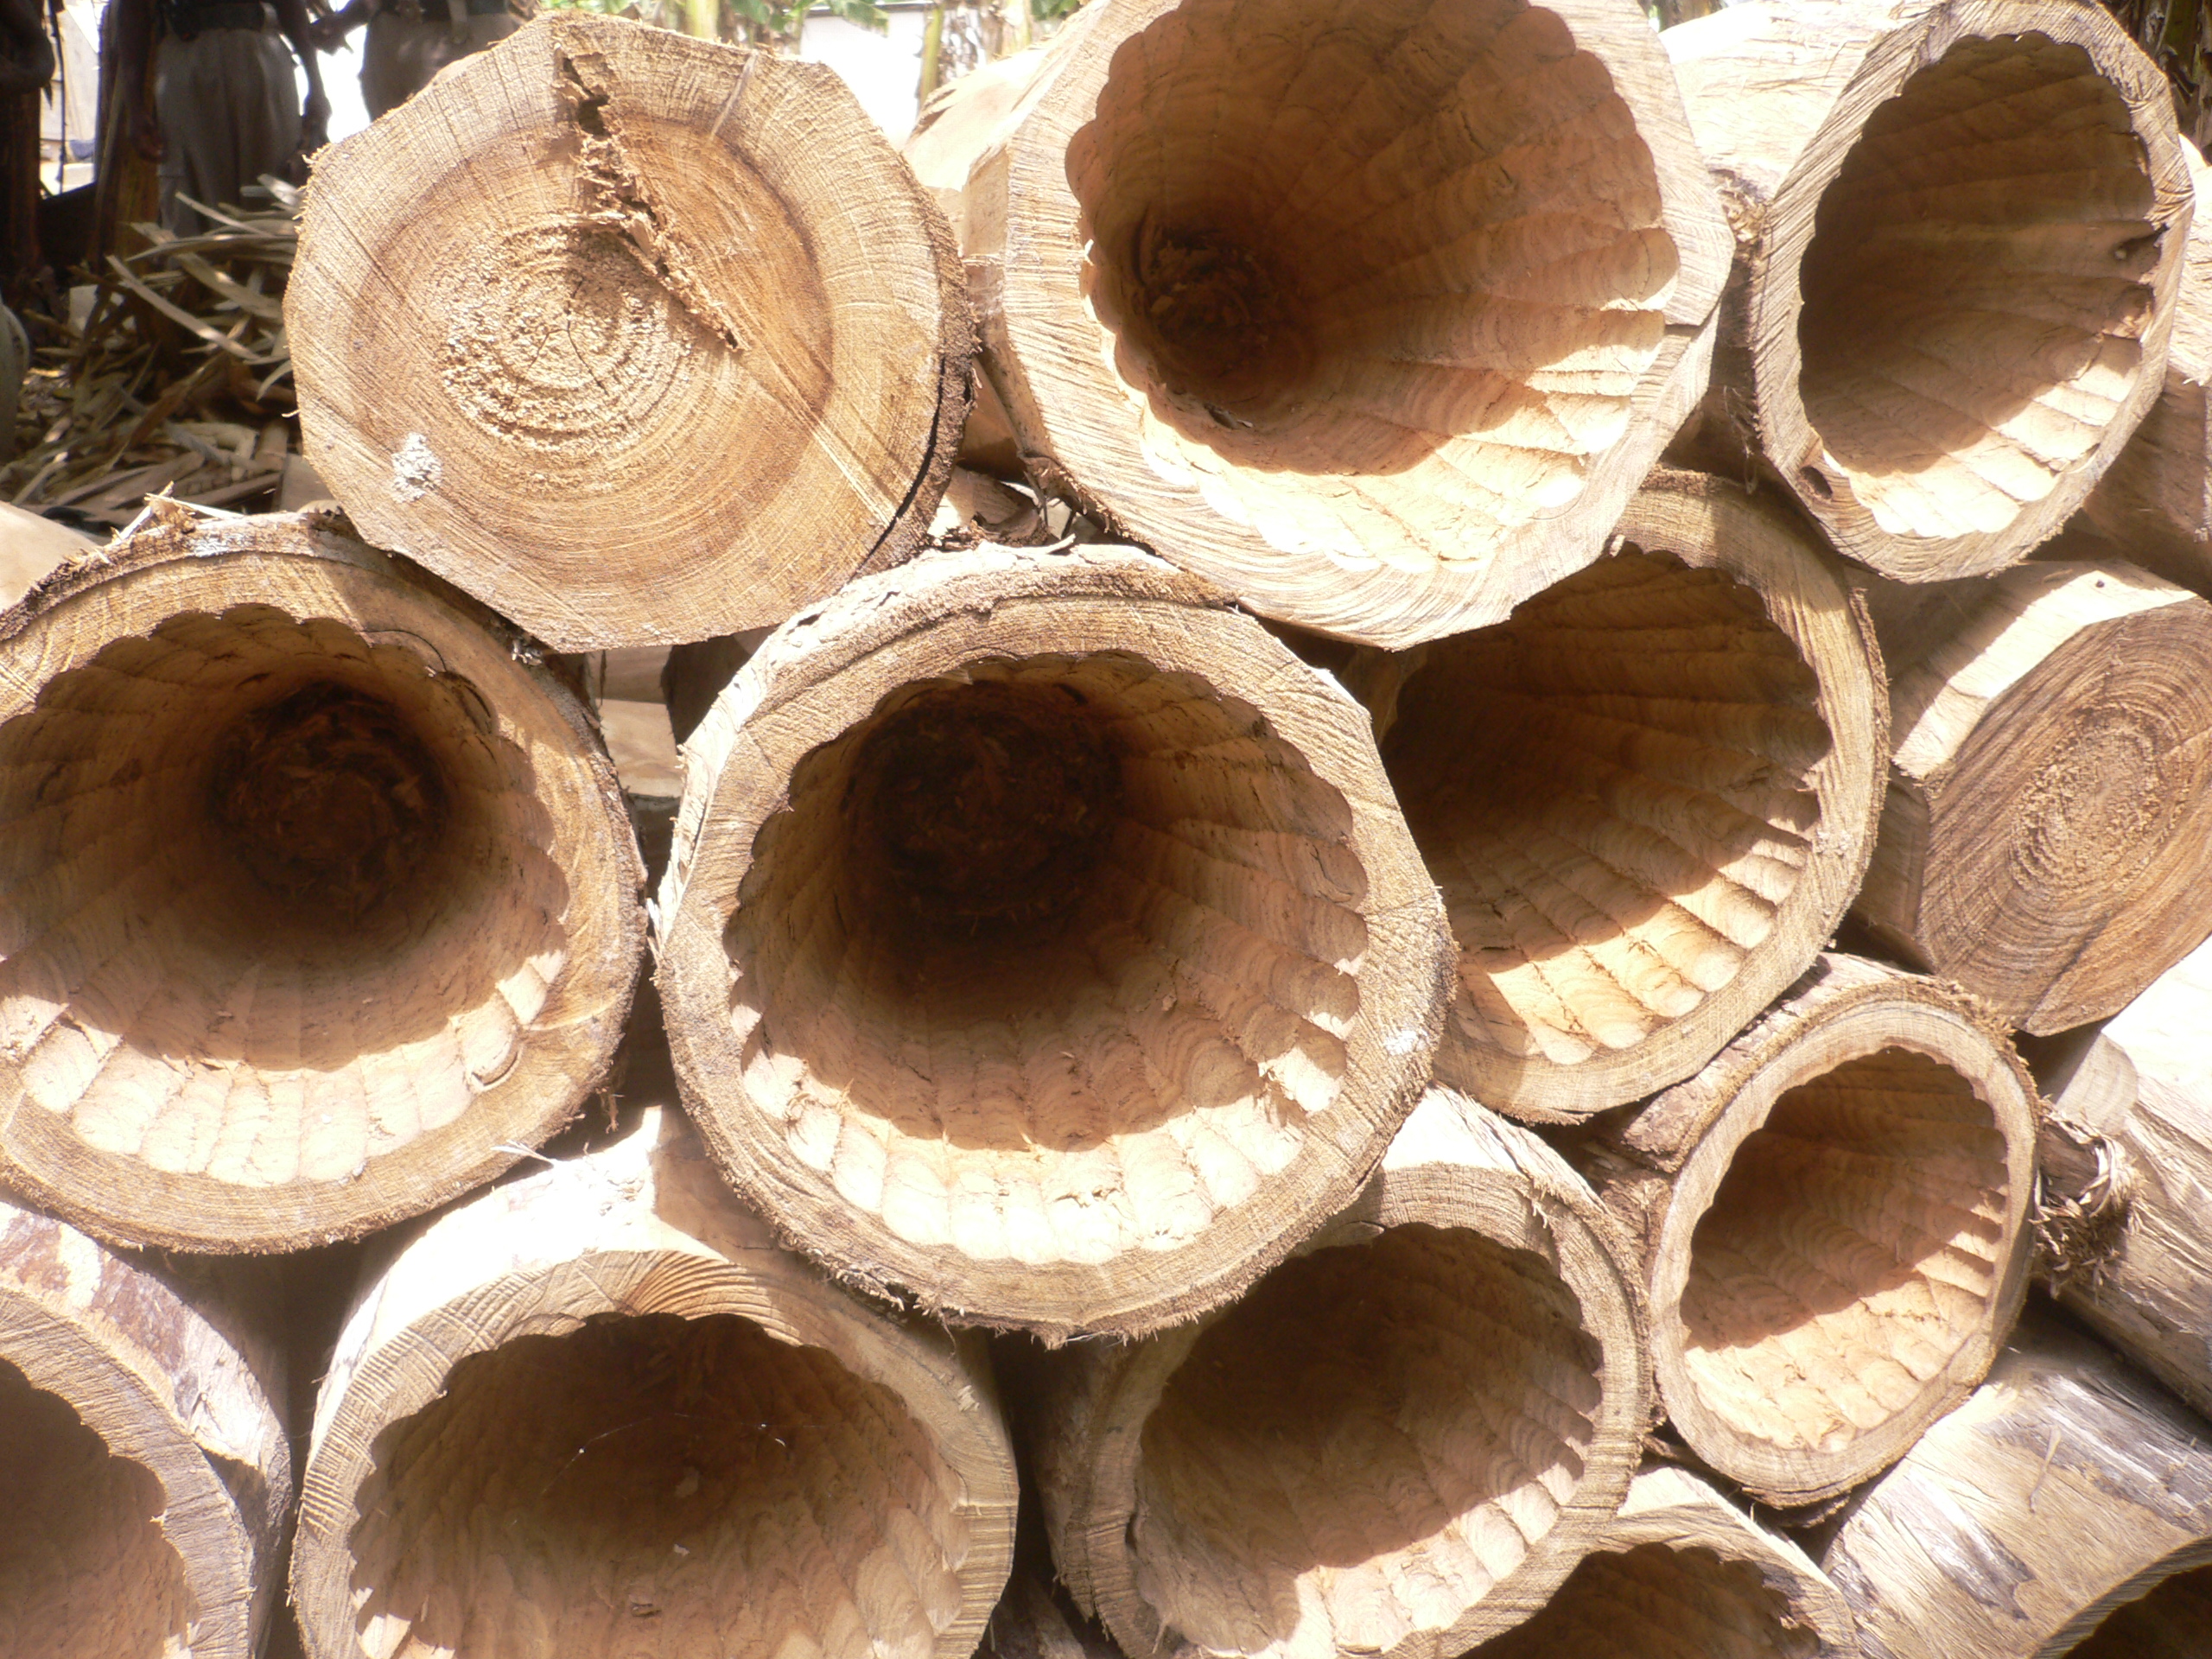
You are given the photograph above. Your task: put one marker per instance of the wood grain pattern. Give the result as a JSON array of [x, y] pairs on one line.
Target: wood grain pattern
[[1680, 1572], [1375, 311], [2040, 1518], [142, 1452], [1648, 798], [597, 1411], [1399, 1442], [2045, 839], [1042, 938], [1833, 1223], [1960, 230], [319, 903], [636, 337]]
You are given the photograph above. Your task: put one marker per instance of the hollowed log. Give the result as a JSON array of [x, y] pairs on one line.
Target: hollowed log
[[1398, 1443], [2066, 1508], [1960, 228], [598, 1411], [636, 337], [2153, 507], [1648, 798], [1831, 1217], [2145, 1291], [2047, 840], [142, 1454], [1682, 1571], [1375, 311], [1042, 938], [320, 902]]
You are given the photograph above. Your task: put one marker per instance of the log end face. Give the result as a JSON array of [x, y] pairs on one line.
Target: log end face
[[1713, 1605]]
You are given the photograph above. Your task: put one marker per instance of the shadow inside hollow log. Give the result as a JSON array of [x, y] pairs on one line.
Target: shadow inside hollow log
[[1463, 258], [1977, 286], [1853, 1247], [1062, 900], [1653, 1602], [248, 844], [662, 1484], [1376, 1432], [2174, 1621], [85, 1572]]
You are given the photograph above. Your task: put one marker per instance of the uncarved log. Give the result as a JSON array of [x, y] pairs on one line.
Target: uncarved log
[[1375, 311], [1831, 1217], [1648, 798], [319, 900], [2066, 1508], [142, 1454], [1042, 938], [2153, 507], [1960, 228], [2150, 1293], [1399, 1443], [2047, 840], [598, 1407], [1682, 1571], [638, 338]]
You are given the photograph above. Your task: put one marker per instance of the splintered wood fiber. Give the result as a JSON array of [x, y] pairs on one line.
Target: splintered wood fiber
[[85, 1572], [281, 898], [1977, 287], [1614, 790], [653, 1487], [1413, 246], [1657, 1603], [1853, 1247], [1072, 905], [1359, 1449]]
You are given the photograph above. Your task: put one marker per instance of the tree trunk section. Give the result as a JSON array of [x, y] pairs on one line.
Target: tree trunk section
[[143, 1451], [2047, 841], [1959, 232], [1377, 315], [1042, 938], [1681, 1571], [2153, 507], [323, 904], [1648, 798], [1399, 1443], [1832, 1221], [2145, 1292], [2065, 1508], [597, 1407], [682, 348]]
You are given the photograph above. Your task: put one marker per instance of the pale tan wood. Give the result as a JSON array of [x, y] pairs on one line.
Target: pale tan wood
[[32, 548], [2047, 840], [320, 902], [2065, 1491], [2153, 507], [1375, 311], [639, 339], [1682, 1571], [2147, 1292], [597, 1411], [1832, 1225], [1043, 940], [144, 1460], [1648, 798], [1399, 1443], [1960, 230]]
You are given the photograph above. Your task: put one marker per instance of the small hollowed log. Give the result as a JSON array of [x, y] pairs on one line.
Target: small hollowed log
[[319, 901]]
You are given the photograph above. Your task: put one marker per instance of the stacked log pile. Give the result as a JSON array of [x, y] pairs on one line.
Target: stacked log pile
[[1409, 1032]]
